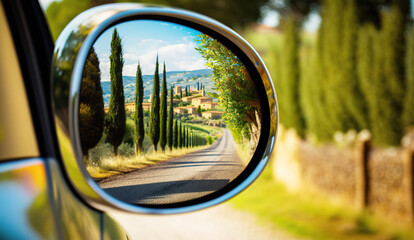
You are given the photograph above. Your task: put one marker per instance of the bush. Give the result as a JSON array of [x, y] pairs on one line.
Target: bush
[[99, 152], [126, 149], [128, 135], [209, 140]]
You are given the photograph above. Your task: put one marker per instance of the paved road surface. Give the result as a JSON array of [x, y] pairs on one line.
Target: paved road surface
[[194, 175], [216, 223]]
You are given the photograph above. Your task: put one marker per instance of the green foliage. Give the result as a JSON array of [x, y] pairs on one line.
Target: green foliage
[[180, 136], [163, 112], [139, 132], [237, 92], [209, 140], [391, 49], [336, 59], [115, 122], [198, 110], [288, 84], [408, 116], [170, 121], [355, 79], [235, 13], [129, 134], [154, 123], [381, 74], [175, 139], [60, 13], [91, 109], [243, 12], [187, 138]]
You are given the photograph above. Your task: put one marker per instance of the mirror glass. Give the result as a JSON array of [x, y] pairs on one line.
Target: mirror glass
[[167, 113]]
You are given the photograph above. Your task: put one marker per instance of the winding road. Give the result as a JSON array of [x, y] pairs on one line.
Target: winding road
[[179, 179]]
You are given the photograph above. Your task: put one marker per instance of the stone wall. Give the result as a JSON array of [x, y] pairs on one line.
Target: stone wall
[[378, 179]]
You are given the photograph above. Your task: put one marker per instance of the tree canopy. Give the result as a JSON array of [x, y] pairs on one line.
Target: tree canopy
[[236, 91]]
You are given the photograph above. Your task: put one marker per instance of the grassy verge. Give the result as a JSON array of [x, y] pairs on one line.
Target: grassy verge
[[123, 164], [243, 150], [311, 216], [205, 130]]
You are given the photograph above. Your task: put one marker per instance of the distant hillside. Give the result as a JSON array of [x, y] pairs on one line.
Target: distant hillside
[[178, 78]]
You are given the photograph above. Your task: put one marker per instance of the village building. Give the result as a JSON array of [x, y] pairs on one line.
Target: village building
[[198, 101], [191, 110], [212, 114], [188, 98], [208, 105], [130, 107], [177, 90], [181, 110], [196, 92]]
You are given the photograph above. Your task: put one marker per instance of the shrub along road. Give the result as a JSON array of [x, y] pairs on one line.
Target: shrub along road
[[179, 179]]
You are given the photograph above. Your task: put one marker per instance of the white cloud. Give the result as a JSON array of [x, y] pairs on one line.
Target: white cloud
[[177, 57], [104, 66]]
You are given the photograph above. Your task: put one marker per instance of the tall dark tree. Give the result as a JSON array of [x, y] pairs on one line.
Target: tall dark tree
[[186, 91], [290, 111], [175, 139], [170, 121], [408, 116], [187, 139], [91, 112], [115, 122], [139, 132], [163, 111], [184, 136], [180, 135], [154, 121]]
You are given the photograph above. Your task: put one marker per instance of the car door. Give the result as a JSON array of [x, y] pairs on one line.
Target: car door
[[36, 201]]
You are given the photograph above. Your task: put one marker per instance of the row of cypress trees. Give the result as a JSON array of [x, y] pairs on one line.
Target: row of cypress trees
[[162, 131], [92, 120], [359, 75]]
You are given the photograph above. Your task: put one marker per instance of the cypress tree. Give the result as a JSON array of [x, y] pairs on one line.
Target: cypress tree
[[187, 139], [408, 116], [163, 112], [184, 136], [154, 121], [115, 123], [367, 59], [139, 132], [390, 100], [186, 91], [288, 85], [351, 92], [180, 139], [175, 139], [91, 112], [170, 121], [181, 93]]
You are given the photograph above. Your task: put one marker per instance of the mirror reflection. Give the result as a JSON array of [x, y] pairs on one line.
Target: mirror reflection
[[167, 113]]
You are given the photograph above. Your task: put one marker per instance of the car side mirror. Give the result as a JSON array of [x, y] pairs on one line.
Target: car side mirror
[[160, 110]]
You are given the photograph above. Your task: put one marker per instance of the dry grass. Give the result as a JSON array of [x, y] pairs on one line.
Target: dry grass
[[122, 164], [244, 151]]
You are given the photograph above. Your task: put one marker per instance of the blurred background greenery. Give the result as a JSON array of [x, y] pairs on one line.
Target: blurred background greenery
[[339, 68]]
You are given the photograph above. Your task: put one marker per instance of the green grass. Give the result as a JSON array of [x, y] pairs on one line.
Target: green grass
[[311, 216], [111, 166], [205, 130]]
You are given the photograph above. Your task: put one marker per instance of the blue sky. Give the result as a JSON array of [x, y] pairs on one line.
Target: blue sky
[[142, 40]]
